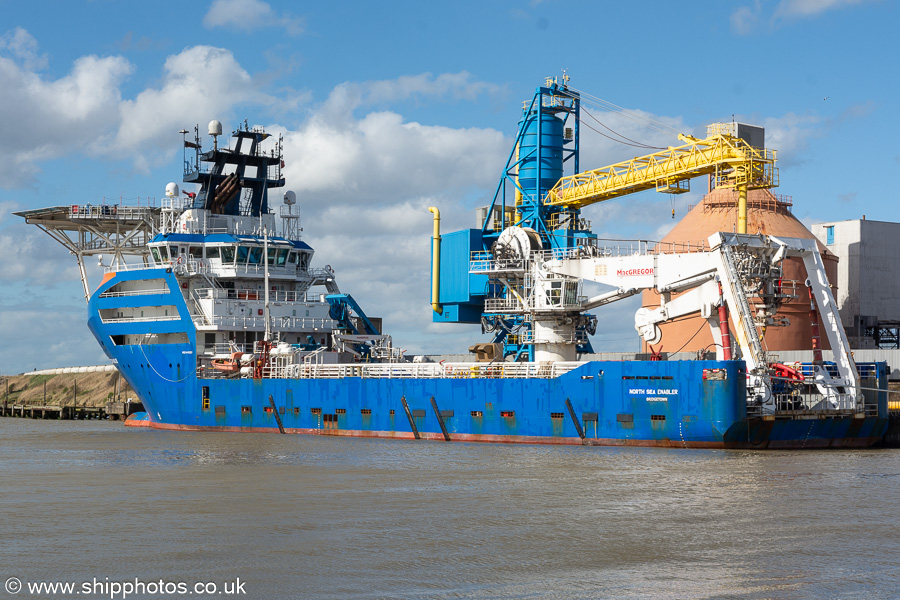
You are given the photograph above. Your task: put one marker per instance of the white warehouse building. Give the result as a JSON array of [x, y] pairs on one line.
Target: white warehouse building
[[868, 284]]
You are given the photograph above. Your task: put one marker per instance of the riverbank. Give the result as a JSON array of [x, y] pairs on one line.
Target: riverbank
[[85, 390]]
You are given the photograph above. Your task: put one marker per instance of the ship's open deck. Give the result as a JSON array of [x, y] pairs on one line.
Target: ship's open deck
[[416, 370]]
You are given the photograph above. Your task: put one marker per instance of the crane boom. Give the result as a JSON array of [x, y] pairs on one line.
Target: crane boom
[[732, 161]]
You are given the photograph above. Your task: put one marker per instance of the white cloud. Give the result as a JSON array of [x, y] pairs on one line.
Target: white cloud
[[347, 97], [364, 182], [249, 15], [809, 8], [7, 207], [44, 119], [364, 175], [745, 18], [380, 156], [71, 344], [83, 111], [456, 86], [200, 83], [364, 185], [30, 256], [611, 137], [790, 134], [24, 47]]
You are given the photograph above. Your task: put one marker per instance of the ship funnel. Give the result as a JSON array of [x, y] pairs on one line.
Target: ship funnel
[[172, 190]]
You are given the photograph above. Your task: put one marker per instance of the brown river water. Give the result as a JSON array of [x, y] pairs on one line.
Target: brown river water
[[112, 508]]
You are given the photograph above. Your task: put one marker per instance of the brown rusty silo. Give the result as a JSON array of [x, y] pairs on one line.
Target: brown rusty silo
[[769, 214]]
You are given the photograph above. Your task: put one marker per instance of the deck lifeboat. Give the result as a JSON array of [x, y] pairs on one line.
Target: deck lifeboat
[[232, 364]]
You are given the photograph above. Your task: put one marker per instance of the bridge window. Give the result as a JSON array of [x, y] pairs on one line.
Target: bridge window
[[212, 252], [270, 256], [196, 251], [228, 254], [292, 258], [282, 256], [255, 255], [156, 256], [242, 253]]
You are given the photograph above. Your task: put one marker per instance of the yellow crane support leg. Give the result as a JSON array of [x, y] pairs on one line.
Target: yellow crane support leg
[[436, 262], [742, 209]]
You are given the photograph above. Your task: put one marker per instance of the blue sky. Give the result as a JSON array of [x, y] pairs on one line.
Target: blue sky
[[390, 107]]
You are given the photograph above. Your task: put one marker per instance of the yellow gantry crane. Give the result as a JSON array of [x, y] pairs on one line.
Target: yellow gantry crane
[[729, 159]]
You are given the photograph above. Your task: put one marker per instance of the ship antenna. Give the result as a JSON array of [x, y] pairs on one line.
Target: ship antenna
[[268, 334]]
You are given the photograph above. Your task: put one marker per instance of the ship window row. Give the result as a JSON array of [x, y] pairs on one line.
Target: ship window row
[[230, 255], [317, 412]]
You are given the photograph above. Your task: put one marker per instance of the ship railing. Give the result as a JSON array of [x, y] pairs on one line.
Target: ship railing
[[607, 248], [136, 266], [250, 294], [556, 335], [140, 319], [312, 370], [226, 348], [806, 405], [502, 305], [190, 266], [111, 211], [256, 269], [482, 262], [278, 323], [679, 247], [807, 400], [316, 276], [197, 266], [598, 249], [110, 294], [569, 220], [511, 304], [204, 228]]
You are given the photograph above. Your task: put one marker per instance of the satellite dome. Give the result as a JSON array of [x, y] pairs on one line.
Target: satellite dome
[[290, 198], [215, 127], [172, 190]]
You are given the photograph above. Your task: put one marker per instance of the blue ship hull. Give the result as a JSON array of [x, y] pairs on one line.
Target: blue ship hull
[[642, 403]]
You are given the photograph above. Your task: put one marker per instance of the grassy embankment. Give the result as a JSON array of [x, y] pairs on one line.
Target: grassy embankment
[[93, 389]]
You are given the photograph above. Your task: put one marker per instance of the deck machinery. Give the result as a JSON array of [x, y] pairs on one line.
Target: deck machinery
[[521, 275]]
